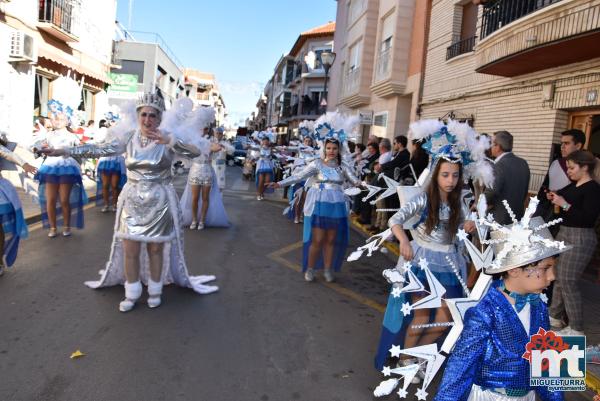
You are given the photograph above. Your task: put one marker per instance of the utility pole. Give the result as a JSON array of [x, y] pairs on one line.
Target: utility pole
[[129, 16]]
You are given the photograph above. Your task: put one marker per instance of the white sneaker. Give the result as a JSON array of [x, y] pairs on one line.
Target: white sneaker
[[52, 233], [568, 331], [105, 209], [194, 225], [328, 275], [557, 324], [296, 221], [200, 226], [66, 232], [154, 293], [309, 275]]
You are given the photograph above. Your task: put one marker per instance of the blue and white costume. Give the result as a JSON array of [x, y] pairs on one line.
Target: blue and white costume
[[264, 162], [108, 165], [11, 213], [435, 247], [326, 205], [61, 170], [305, 154], [486, 363]]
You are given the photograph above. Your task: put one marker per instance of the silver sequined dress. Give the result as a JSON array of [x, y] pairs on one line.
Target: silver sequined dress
[[148, 209]]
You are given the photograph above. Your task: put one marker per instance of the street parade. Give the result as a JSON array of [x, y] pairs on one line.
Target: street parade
[[388, 221]]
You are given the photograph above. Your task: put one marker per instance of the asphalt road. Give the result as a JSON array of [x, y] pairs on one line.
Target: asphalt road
[[266, 335]]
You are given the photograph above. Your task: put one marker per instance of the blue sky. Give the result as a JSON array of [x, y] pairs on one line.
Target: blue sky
[[239, 41]]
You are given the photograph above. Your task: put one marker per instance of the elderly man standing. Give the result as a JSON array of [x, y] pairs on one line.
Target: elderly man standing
[[511, 181]]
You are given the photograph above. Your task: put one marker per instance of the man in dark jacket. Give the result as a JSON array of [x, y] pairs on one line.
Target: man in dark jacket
[[399, 163], [511, 181]]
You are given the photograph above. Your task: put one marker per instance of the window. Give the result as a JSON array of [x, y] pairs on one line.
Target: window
[[132, 67], [468, 26], [387, 32], [355, 9], [354, 60], [40, 101], [380, 119], [463, 41]]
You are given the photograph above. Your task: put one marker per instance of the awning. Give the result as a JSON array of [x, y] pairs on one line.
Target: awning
[[79, 65]]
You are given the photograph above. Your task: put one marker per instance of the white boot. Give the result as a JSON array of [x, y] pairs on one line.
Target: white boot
[[154, 292], [133, 291]]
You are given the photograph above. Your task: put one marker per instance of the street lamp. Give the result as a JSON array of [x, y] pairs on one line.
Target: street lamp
[[327, 59]]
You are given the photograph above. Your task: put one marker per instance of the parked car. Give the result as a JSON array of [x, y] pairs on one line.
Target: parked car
[[239, 154]]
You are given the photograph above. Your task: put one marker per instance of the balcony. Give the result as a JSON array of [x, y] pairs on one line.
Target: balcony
[[351, 95], [383, 84], [460, 47], [56, 18], [539, 34]]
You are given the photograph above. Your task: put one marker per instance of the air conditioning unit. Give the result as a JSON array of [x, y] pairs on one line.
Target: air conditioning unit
[[21, 47]]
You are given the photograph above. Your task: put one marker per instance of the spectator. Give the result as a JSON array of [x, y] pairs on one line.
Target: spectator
[[385, 156], [372, 139], [580, 208], [372, 157], [419, 159], [511, 180], [399, 160], [557, 178]]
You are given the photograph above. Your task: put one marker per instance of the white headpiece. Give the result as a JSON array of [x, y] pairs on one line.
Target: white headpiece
[[337, 127], [455, 142], [66, 96]]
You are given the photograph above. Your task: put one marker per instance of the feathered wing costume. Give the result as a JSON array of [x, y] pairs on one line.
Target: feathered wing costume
[[148, 209]]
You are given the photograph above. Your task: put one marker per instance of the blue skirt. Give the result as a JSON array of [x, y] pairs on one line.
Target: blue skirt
[[62, 174], [113, 165], [326, 216], [395, 324], [12, 220]]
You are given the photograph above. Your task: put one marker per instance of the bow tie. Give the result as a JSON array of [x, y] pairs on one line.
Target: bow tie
[[522, 300]]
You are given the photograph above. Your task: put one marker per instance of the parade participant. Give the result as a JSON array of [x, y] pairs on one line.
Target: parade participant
[[326, 207], [60, 176], [206, 210], [264, 165], [488, 362], [12, 222], [219, 159], [148, 241], [433, 217], [305, 152], [579, 210], [111, 174]]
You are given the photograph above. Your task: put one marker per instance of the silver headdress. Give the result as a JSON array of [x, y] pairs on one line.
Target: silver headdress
[[151, 100], [522, 243]]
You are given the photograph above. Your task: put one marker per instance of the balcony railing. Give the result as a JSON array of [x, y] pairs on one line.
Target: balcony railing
[[351, 82], [461, 47], [57, 12], [384, 62], [500, 13]]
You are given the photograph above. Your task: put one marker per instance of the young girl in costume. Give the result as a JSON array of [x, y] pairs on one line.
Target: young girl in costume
[[60, 176], [433, 217], [326, 207], [111, 175], [264, 165]]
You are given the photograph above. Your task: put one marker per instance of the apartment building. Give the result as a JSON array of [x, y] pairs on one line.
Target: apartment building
[[377, 74], [203, 88], [529, 67], [42, 40]]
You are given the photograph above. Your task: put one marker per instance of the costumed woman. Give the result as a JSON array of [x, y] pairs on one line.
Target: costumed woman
[[219, 159], [111, 174], [12, 223], [264, 165], [59, 177], [202, 201], [305, 153], [326, 207], [148, 239], [433, 217]]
